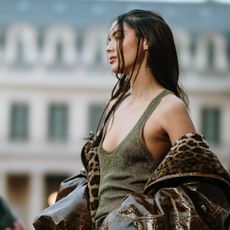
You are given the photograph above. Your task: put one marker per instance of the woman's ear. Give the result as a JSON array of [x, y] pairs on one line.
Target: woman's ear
[[145, 44]]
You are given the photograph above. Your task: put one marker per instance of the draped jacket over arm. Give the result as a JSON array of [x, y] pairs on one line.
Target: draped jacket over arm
[[189, 190]]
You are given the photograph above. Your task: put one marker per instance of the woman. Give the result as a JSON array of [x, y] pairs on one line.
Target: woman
[[155, 171], [140, 48]]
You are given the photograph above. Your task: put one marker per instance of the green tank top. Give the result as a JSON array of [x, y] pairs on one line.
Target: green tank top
[[127, 168]]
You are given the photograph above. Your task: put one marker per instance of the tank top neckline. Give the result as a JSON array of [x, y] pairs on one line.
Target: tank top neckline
[[139, 121]]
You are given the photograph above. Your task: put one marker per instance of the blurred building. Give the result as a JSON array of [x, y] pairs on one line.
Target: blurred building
[[54, 82]]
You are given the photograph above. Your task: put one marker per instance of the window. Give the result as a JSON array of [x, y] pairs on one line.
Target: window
[[58, 122], [40, 41], [228, 47], [59, 53], [18, 190], [19, 114], [95, 112], [211, 124], [192, 46], [20, 59], [2, 39], [211, 54], [20, 52], [99, 52]]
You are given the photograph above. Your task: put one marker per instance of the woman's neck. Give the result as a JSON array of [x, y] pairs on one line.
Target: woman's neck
[[143, 86]]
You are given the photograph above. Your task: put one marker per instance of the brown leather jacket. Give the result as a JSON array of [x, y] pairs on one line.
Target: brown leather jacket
[[189, 190]]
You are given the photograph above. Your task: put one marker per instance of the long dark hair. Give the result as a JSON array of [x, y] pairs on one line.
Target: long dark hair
[[162, 56]]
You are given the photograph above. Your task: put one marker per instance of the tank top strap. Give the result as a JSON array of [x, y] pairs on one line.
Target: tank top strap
[[152, 106], [104, 129]]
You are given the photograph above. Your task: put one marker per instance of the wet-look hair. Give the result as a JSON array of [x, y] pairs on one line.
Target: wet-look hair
[[162, 57]]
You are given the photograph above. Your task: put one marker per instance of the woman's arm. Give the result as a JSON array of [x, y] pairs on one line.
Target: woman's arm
[[175, 118]]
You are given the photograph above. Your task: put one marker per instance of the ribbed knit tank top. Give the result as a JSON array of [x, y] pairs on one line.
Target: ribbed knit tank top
[[127, 168]]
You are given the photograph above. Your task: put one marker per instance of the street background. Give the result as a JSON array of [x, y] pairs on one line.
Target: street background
[[55, 80]]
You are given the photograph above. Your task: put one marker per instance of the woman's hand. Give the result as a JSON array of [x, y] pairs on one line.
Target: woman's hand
[[18, 225]]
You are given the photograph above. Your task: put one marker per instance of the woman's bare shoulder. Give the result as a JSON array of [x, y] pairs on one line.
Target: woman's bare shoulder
[[175, 118], [171, 103]]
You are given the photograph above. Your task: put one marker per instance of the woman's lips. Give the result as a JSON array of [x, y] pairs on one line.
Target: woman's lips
[[112, 59]]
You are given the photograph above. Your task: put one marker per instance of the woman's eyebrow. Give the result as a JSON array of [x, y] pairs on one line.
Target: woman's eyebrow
[[113, 33]]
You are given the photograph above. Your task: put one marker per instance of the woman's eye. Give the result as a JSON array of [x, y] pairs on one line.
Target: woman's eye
[[118, 37], [108, 41]]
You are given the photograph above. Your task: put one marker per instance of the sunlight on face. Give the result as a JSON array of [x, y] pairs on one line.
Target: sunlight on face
[[129, 46]]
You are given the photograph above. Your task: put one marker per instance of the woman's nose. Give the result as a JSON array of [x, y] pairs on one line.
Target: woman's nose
[[108, 48]]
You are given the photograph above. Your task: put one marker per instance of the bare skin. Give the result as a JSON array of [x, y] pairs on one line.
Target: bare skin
[[18, 225], [166, 124]]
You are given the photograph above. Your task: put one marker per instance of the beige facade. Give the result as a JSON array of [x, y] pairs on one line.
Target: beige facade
[[78, 78]]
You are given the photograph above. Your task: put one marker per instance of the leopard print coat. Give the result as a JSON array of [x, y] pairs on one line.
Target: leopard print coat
[[189, 181], [189, 190], [189, 157]]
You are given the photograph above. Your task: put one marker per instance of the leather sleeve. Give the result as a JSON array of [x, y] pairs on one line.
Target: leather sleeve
[[187, 206], [71, 210]]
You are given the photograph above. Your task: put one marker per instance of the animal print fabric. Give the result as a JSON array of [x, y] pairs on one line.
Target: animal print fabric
[[189, 156]]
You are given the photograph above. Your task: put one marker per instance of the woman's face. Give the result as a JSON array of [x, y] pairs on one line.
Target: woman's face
[[129, 45]]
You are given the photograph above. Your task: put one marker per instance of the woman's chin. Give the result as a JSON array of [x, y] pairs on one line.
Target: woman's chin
[[117, 71]]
